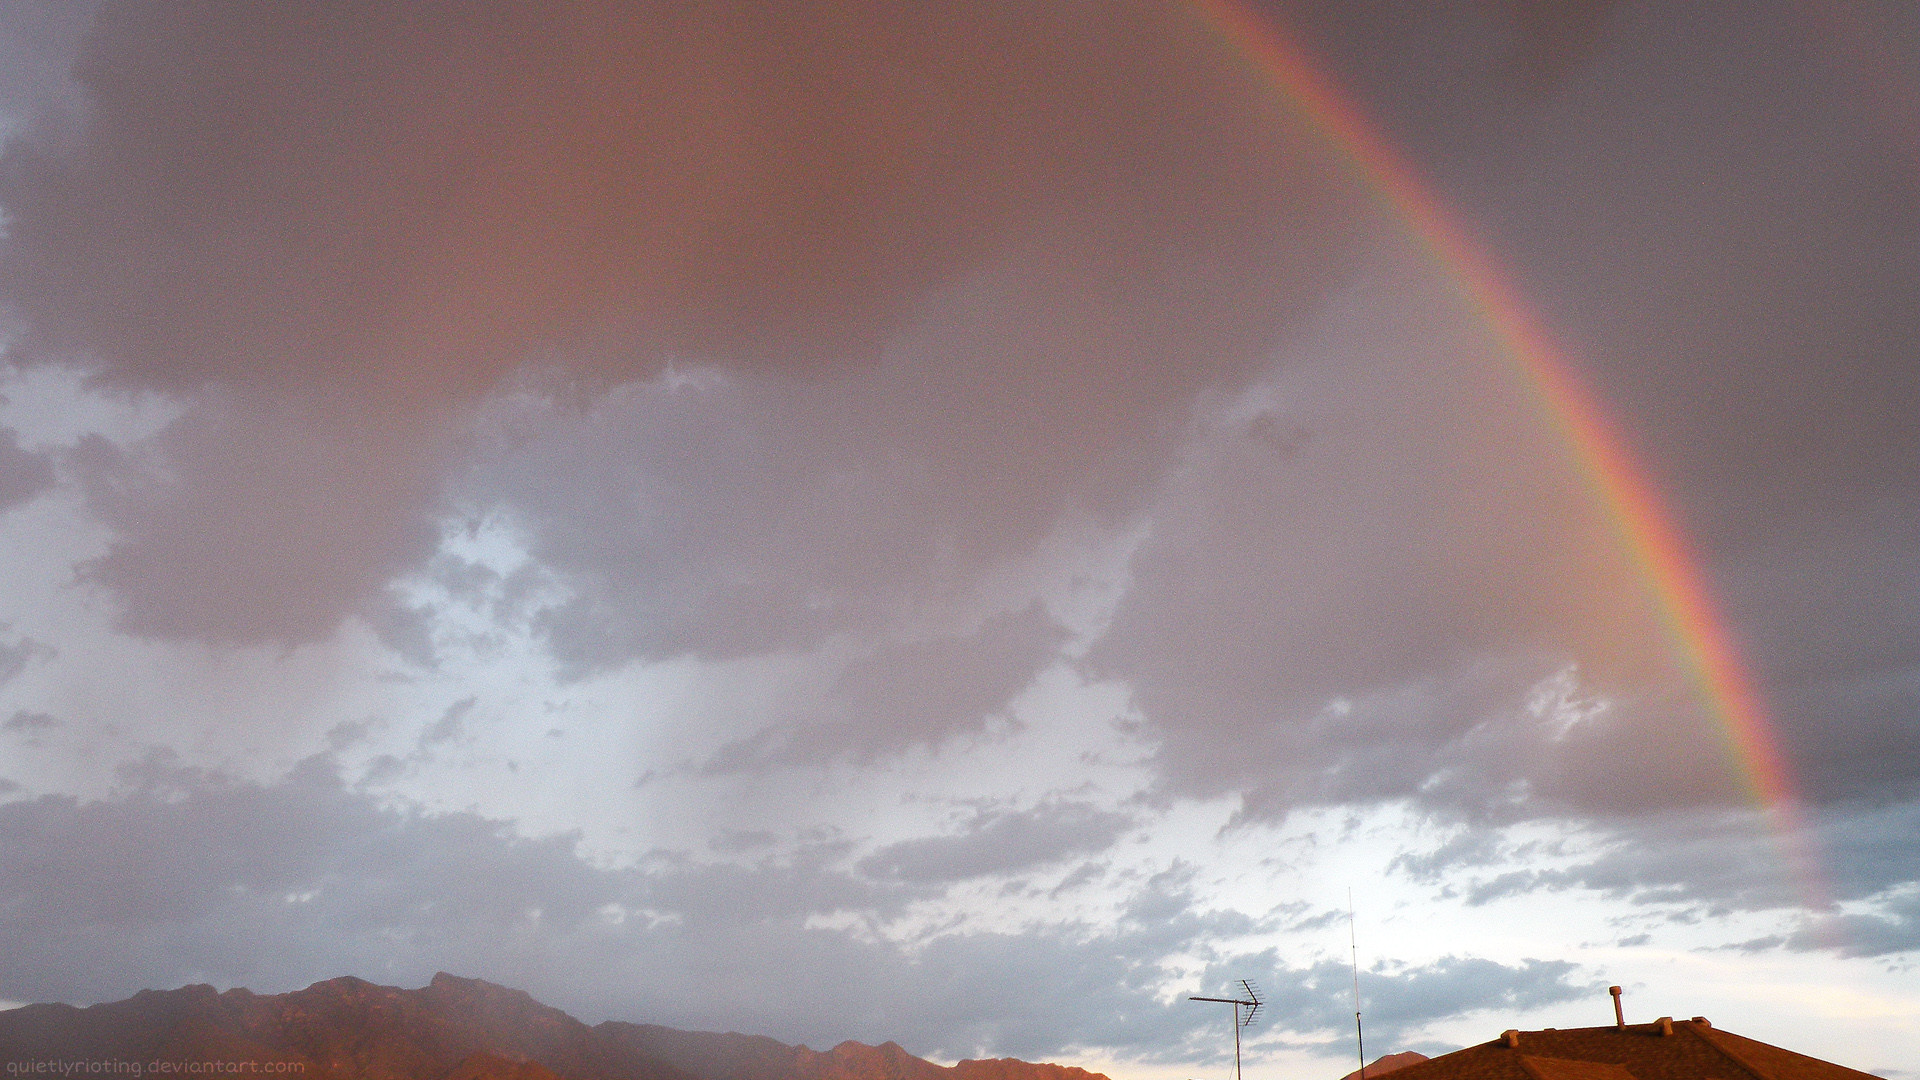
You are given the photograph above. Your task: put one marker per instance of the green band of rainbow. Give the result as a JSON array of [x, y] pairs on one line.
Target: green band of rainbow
[[1695, 630]]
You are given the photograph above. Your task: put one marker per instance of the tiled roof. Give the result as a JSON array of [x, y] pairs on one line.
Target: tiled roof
[[1664, 1050], [1545, 1068]]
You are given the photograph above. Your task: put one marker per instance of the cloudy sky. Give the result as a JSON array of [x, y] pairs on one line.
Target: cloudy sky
[[963, 524]]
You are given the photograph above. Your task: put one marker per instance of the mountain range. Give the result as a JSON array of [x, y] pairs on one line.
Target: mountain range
[[451, 1029]]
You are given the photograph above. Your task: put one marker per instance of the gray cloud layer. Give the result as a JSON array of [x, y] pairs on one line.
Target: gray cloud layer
[[369, 219], [1000, 842], [1693, 866], [187, 876]]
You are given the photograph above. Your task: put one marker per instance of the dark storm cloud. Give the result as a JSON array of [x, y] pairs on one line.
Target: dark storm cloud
[[1001, 842], [187, 873], [16, 655], [1709, 865], [1771, 261], [928, 690], [255, 519], [1725, 217], [38, 39], [726, 513], [23, 474], [402, 201], [903, 695], [30, 722], [1317, 1001], [1414, 599], [451, 724], [1714, 213], [1892, 929], [1467, 848], [371, 215], [186, 876], [1454, 985], [783, 890], [1397, 1000], [1832, 602], [1550, 39]]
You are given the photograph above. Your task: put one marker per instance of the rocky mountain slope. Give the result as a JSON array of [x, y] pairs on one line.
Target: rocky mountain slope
[[451, 1029]]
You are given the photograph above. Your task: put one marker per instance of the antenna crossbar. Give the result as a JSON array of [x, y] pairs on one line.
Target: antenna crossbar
[[1251, 1003]]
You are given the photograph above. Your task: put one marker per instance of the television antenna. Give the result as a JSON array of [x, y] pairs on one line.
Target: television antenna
[[1249, 1002]]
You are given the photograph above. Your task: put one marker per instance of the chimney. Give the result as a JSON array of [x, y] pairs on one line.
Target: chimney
[[1619, 1017], [1666, 1025]]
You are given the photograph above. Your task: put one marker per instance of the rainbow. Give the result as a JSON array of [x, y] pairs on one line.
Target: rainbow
[[1695, 630]]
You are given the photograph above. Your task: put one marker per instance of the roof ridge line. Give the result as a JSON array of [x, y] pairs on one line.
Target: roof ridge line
[[1732, 1055]]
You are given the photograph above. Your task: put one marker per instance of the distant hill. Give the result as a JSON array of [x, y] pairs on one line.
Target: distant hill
[[451, 1029], [1384, 1065]]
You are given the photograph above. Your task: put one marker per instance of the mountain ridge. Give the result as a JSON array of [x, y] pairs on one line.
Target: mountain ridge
[[451, 1029]]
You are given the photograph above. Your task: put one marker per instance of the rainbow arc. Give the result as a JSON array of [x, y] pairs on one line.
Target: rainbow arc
[[1696, 631]]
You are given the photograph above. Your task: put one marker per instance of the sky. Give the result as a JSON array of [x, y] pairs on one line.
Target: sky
[[971, 524]]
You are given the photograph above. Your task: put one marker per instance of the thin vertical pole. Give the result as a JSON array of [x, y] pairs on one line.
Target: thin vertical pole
[[1353, 940], [1236, 1041]]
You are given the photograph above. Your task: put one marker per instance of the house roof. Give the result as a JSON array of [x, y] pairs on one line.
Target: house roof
[[1666, 1049]]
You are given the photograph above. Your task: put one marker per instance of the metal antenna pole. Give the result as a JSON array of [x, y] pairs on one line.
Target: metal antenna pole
[[1353, 940], [1251, 1002], [1236, 1041]]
